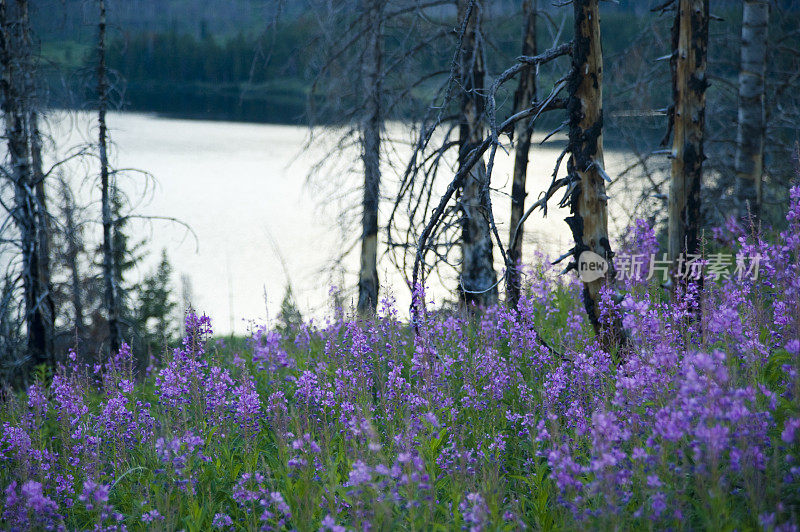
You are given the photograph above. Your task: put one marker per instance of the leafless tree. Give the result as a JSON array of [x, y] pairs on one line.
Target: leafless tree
[[29, 211], [688, 63], [586, 176], [418, 193], [525, 95], [371, 128], [588, 203], [109, 257], [637, 101], [751, 116], [350, 39], [478, 280]]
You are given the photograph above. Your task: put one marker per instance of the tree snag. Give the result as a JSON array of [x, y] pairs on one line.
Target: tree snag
[[523, 98], [371, 126], [478, 282], [29, 212], [588, 200], [43, 226], [109, 262], [751, 123], [688, 64]]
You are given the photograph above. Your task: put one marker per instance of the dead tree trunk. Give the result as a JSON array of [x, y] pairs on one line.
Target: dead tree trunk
[[478, 283], [29, 211], [372, 124], [43, 229], [690, 46], [523, 98], [43, 226], [109, 266], [588, 202], [750, 135]]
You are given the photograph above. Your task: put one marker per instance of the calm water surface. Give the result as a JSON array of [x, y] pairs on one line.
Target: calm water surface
[[259, 222]]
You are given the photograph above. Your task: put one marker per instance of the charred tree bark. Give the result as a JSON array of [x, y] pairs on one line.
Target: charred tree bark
[[690, 46], [109, 266], [524, 96], [750, 134], [371, 127], [29, 211], [478, 283], [588, 202]]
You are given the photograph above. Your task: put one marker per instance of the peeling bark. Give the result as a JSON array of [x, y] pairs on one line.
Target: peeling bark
[[690, 46], [588, 202], [524, 96], [751, 123], [371, 156], [478, 283]]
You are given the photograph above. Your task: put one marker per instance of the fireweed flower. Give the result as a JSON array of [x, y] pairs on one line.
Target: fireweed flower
[[253, 495], [329, 525], [30, 507], [152, 516], [123, 422], [790, 430], [179, 456], [246, 406], [617, 436], [94, 495], [180, 381], [222, 521], [474, 512], [268, 352], [37, 400]]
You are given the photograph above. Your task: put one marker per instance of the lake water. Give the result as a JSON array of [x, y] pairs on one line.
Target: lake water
[[259, 222]]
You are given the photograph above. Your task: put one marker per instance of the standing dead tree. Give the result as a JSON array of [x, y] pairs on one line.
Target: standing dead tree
[[371, 127], [29, 211], [352, 38], [44, 226], [751, 119], [478, 280], [109, 257], [418, 192], [688, 64], [723, 101], [586, 176], [523, 134], [588, 202]]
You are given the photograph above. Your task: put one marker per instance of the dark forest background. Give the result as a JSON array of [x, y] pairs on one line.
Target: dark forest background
[[255, 60]]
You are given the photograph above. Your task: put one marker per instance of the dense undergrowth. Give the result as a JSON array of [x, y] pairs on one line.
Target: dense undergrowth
[[475, 423]]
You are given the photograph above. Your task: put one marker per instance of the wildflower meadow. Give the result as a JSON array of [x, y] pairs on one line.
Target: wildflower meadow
[[494, 420]]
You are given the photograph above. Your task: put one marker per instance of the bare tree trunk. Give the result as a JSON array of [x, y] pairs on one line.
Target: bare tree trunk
[[588, 203], [371, 145], [478, 283], [690, 46], [44, 231], [29, 211], [751, 124], [109, 266], [526, 93], [42, 220]]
